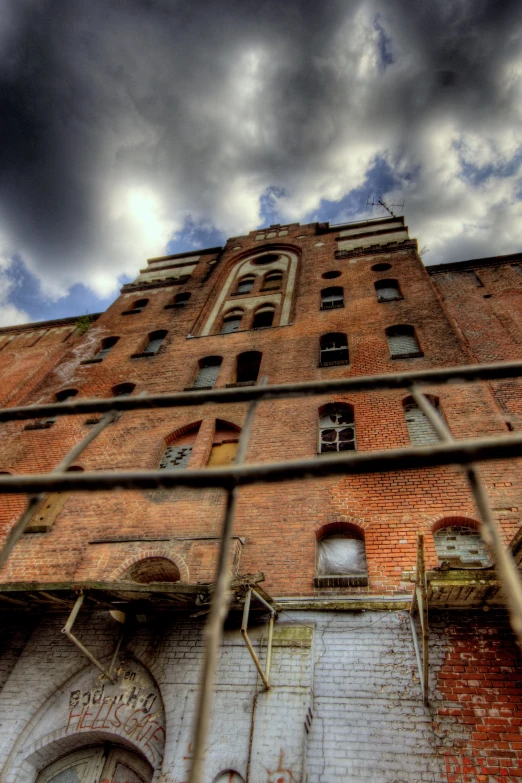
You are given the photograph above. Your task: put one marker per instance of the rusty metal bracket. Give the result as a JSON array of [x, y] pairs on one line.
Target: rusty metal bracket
[[67, 630], [265, 675], [420, 601]]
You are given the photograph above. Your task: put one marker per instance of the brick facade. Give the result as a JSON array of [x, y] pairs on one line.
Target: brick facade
[[367, 691]]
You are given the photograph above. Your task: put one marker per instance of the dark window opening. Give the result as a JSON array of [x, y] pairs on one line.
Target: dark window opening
[[137, 307], [272, 281], [402, 342], [45, 424], [208, 372], [123, 389], [153, 569], [248, 364], [106, 346], [381, 267], [331, 275], [268, 258], [336, 428], [264, 317], [387, 290], [332, 298], [155, 341], [334, 349]]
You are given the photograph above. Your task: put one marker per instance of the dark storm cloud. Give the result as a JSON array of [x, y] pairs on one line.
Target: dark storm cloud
[[122, 119]]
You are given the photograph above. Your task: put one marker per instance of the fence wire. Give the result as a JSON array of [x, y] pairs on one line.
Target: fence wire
[[447, 452]]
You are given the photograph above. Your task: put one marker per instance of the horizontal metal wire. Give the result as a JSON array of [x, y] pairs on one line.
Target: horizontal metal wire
[[461, 452], [466, 374]]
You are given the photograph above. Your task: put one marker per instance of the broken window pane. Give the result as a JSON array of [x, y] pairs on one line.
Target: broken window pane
[[175, 457], [461, 547], [334, 435]]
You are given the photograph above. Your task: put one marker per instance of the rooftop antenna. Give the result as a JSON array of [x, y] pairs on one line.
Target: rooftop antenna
[[381, 204]]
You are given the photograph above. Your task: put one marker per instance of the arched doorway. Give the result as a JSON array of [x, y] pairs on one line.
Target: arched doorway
[[99, 764]]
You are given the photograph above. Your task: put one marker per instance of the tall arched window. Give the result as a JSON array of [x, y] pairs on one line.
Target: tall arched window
[[155, 341], [272, 281], [232, 321], [341, 558], [208, 372], [180, 300], [107, 345], [461, 546], [96, 764], [247, 367], [388, 290], [402, 342], [177, 453], [336, 428], [334, 349], [137, 307], [245, 284], [224, 445], [332, 298], [420, 429], [264, 317]]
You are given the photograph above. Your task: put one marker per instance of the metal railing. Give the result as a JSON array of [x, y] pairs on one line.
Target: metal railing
[[447, 452]]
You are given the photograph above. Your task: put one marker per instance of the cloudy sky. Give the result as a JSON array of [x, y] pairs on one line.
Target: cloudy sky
[[132, 128]]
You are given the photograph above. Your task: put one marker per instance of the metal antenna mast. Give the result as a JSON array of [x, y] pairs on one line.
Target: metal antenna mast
[[382, 204]]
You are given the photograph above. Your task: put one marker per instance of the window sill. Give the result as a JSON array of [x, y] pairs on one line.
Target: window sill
[[416, 355], [36, 529], [144, 354], [92, 361], [197, 388], [131, 312], [340, 581], [175, 306], [90, 422], [241, 383], [333, 307], [385, 301], [40, 425], [344, 362]]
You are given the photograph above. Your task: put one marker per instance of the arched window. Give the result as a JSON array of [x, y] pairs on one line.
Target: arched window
[[107, 345], [123, 389], [245, 284], [402, 342], [272, 281], [153, 569], [137, 307], [231, 321], [264, 317], [180, 300], [334, 349], [268, 258], [461, 546], [48, 510], [332, 298], [177, 453], [155, 341], [208, 372], [387, 290], [341, 558], [336, 428], [247, 368], [420, 429], [224, 445], [229, 776]]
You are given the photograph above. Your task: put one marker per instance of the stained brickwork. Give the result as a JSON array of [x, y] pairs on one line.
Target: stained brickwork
[[346, 701]]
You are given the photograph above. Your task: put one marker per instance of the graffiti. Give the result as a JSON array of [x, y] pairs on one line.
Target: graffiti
[[125, 707], [282, 774]]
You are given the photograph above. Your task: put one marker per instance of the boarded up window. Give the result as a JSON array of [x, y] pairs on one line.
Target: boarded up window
[[175, 457], [246, 284], [272, 281], [106, 346], [461, 547], [208, 372], [232, 321], [420, 429], [155, 341], [402, 342], [387, 290], [336, 429], [222, 454], [341, 554], [47, 513]]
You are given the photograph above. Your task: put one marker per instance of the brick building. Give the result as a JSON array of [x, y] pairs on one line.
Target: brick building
[[337, 554]]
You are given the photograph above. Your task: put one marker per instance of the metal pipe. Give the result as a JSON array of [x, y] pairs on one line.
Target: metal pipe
[[67, 630], [246, 610], [259, 598], [417, 652], [269, 649], [255, 659], [32, 504], [218, 610], [462, 452], [464, 374], [74, 613]]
